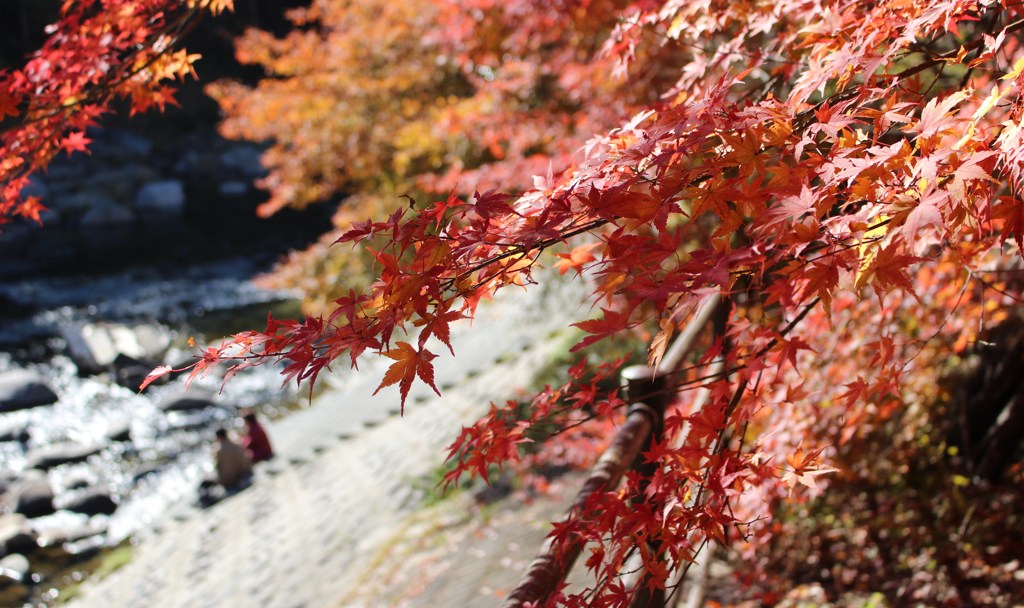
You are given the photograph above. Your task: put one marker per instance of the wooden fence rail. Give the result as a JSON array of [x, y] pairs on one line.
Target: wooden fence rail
[[650, 390]]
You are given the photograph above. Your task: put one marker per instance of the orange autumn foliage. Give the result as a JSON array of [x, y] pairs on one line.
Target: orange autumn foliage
[[847, 174]]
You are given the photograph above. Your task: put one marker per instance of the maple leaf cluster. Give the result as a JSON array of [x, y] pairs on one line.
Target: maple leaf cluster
[[96, 53], [846, 175]]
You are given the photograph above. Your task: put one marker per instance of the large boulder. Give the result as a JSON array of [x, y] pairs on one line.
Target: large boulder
[[21, 389], [90, 346], [188, 401], [93, 501], [96, 346], [47, 457], [32, 496], [16, 534]]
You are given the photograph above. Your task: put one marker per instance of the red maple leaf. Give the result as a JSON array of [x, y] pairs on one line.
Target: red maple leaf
[[408, 364], [8, 105], [75, 142], [575, 259]]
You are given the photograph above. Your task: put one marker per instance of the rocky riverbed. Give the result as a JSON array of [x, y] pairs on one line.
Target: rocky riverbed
[[147, 242]]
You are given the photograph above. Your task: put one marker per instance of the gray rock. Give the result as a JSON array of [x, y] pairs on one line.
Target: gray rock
[[22, 389], [130, 372], [106, 216], [119, 431], [89, 347], [93, 501], [95, 346], [15, 567], [160, 199], [32, 496], [245, 159], [47, 457], [187, 401], [153, 341], [16, 534]]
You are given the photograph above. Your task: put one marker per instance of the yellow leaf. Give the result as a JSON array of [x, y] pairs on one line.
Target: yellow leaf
[[868, 251], [1018, 67]]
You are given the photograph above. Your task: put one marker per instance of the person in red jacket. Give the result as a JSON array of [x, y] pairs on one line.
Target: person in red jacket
[[255, 440]]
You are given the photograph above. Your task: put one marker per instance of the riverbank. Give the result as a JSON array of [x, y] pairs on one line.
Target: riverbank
[[150, 239], [348, 474]]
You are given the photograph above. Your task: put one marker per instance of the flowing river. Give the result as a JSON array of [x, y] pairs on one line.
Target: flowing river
[[168, 450], [147, 231]]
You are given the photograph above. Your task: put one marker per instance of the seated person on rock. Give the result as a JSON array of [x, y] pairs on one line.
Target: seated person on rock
[[255, 440], [233, 468]]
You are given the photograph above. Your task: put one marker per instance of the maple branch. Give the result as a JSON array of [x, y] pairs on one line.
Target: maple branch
[[180, 28], [519, 250]]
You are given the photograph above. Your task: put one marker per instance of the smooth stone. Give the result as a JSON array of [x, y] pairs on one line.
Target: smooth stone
[[119, 431], [95, 346], [53, 455], [22, 389], [187, 401], [91, 502], [130, 372], [32, 496], [16, 534]]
